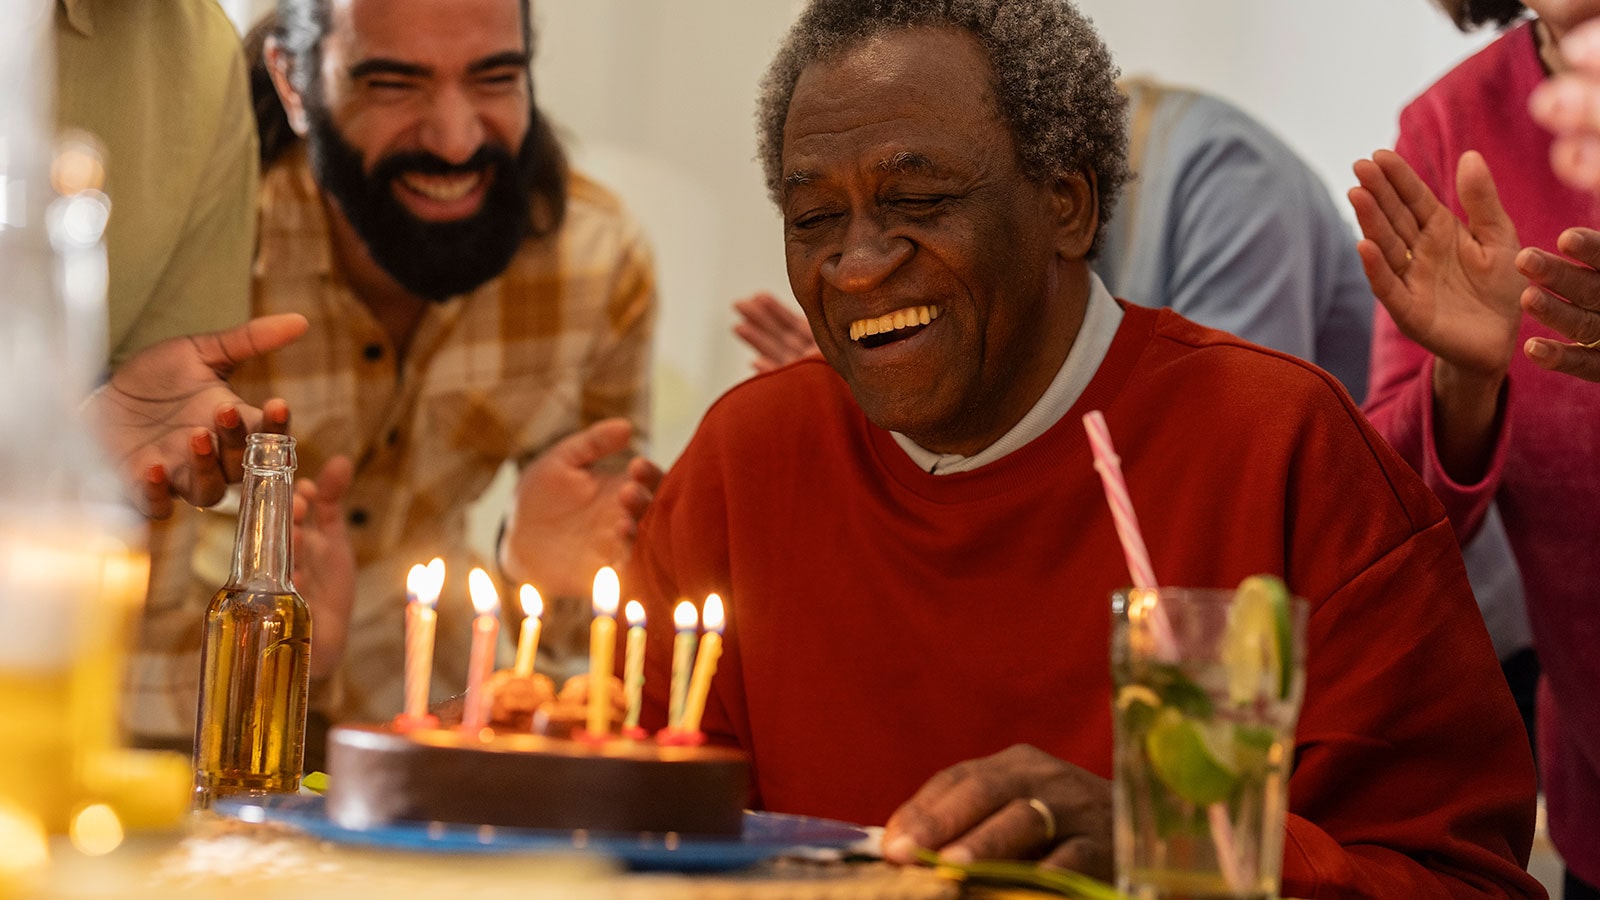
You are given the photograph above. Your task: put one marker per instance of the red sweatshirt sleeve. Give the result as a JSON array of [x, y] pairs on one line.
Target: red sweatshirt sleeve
[[1414, 790]]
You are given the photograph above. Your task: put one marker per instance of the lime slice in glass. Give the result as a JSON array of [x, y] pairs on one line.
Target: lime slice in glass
[[1257, 636], [1138, 706], [1195, 760]]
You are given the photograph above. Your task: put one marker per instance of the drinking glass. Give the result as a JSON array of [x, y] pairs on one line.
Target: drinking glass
[[1207, 690]]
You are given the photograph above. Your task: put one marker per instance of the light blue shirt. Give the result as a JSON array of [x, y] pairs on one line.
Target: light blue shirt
[[1229, 227]]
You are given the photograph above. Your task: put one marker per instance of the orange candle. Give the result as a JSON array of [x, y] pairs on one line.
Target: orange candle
[[423, 584], [480, 665], [705, 665], [528, 643], [602, 650]]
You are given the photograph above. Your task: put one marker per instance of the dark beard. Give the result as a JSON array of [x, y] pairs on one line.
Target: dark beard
[[434, 260]]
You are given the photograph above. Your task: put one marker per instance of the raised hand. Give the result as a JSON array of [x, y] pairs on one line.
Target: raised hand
[[779, 335], [989, 809], [172, 424], [1451, 287], [1565, 295], [325, 561], [575, 510]]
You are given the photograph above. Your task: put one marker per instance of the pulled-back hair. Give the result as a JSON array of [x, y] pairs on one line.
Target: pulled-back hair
[[1052, 77], [1470, 14], [298, 27]]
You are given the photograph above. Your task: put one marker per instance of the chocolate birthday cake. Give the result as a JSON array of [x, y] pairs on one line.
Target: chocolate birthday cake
[[506, 775]]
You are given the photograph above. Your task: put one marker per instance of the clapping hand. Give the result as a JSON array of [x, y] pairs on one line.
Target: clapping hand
[[777, 334], [1449, 286], [1020, 803], [172, 424], [1565, 295], [571, 514], [325, 561]]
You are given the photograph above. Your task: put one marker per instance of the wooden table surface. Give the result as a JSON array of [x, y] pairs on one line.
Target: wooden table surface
[[228, 860]]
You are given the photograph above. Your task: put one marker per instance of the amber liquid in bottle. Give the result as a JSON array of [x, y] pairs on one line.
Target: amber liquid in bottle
[[255, 659]]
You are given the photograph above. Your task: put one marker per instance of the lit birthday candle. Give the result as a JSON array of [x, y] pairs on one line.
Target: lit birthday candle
[[528, 643], [633, 669], [423, 584], [705, 665], [687, 620], [480, 665], [602, 651]]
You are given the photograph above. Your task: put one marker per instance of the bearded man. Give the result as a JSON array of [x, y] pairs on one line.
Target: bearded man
[[471, 301]]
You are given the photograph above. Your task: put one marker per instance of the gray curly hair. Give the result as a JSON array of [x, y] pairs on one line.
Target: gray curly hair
[[1052, 75]]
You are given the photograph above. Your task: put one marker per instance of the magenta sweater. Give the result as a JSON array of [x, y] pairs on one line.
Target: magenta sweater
[[1545, 472]]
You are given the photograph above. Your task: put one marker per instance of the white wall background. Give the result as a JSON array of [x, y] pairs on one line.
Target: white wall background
[[657, 98], [666, 90]]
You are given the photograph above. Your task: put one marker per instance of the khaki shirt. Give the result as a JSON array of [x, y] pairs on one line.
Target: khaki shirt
[[162, 84], [559, 340]]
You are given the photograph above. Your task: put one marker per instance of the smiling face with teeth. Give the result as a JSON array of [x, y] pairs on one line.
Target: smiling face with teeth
[[445, 78], [942, 283], [423, 133]]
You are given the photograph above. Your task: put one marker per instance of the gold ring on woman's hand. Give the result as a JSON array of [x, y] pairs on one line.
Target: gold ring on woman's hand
[[1405, 265]]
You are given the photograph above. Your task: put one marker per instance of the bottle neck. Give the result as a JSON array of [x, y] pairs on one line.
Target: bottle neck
[[262, 555]]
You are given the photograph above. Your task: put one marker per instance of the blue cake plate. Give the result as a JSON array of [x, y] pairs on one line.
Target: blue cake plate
[[766, 835]]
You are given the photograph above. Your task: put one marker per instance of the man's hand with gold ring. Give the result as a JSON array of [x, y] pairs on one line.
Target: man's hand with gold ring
[[1020, 803]]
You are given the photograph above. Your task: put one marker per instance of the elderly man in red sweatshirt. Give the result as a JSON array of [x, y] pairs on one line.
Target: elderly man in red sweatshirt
[[914, 544]]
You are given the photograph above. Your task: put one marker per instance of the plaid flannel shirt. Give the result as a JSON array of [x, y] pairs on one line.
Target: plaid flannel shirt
[[559, 340]]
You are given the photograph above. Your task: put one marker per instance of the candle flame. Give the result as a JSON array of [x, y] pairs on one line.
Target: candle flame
[[635, 613], [422, 585], [532, 603], [713, 614], [435, 581], [685, 616], [607, 592], [484, 597]]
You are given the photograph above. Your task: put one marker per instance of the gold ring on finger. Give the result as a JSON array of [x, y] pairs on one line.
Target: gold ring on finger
[[1048, 817], [1405, 265], [1592, 345]]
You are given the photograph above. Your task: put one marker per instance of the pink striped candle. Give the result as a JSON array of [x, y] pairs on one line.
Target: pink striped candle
[[480, 665]]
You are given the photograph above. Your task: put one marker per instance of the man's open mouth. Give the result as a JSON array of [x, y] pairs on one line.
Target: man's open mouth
[[443, 188], [892, 327]]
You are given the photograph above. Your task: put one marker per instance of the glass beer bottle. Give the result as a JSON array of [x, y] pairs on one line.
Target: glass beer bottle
[[255, 660]]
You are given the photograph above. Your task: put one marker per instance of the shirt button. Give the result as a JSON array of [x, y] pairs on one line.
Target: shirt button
[[373, 352], [358, 517]]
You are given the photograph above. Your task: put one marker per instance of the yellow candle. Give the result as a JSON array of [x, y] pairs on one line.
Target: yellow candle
[[528, 643], [687, 620], [602, 650], [705, 665], [423, 584], [480, 665], [633, 664]]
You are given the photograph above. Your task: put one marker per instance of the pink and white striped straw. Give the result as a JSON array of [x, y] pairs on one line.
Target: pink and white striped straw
[[1109, 465]]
